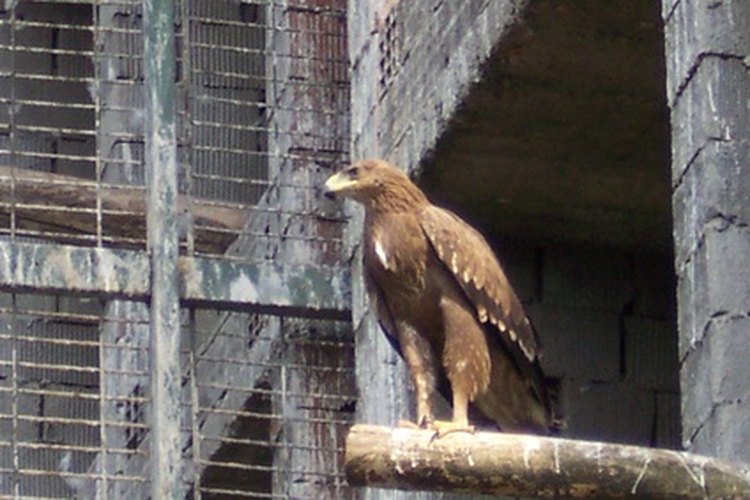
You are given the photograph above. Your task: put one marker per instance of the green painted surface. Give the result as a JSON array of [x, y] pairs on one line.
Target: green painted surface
[[296, 290]]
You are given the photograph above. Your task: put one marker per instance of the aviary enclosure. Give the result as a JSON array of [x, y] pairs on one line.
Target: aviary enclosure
[[264, 385]]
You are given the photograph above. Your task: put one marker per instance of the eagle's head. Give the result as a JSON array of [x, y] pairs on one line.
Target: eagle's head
[[376, 184]]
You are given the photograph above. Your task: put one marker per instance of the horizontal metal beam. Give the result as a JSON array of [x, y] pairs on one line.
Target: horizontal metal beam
[[67, 268], [294, 290], [263, 287]]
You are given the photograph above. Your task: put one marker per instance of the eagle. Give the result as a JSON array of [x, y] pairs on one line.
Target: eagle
[[444, 302]]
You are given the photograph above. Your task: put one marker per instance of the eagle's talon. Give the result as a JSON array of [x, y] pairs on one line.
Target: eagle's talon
[[426, 422], [442, 429]]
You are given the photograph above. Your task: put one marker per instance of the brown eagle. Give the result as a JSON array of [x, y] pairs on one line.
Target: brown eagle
[[445, 303]]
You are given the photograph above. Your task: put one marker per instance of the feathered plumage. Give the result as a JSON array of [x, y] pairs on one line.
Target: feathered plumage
[[445, 303]]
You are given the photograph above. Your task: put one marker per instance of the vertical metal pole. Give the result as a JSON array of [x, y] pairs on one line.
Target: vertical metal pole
[[195, 407], [163, 244]]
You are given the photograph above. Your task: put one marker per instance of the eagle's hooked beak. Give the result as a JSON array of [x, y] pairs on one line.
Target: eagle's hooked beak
[[337, 184]]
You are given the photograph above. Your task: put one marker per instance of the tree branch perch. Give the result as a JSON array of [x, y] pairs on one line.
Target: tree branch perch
[[532, 466]]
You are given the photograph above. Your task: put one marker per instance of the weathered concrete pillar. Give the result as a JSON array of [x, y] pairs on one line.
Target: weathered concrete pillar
[[708, 89]]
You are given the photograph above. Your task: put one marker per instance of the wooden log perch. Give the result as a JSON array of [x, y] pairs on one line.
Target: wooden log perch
[[532, 466], [63, 206]]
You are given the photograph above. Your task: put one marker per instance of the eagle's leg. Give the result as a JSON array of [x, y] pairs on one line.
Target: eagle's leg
[[460, 409], [460, 387], [460, 422], [466, 360], [423, 369]]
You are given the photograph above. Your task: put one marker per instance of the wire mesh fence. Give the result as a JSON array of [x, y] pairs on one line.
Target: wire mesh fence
[[56, 410], [266, 401], [262, 119], [262, 87], [279, 428]]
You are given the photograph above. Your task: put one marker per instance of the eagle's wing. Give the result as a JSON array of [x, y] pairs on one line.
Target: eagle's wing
[[382, 313], [468, 256]]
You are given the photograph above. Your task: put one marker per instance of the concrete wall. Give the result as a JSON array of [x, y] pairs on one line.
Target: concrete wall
[[606, 320], [708, 86], [413, 62]]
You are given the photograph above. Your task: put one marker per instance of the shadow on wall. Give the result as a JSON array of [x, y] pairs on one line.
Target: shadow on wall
[[606, 318]]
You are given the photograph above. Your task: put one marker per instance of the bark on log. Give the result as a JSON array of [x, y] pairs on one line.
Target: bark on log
[[64, 206], [532, 466]]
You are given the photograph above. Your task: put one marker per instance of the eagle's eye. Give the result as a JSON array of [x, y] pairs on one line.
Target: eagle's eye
[[352, 172]]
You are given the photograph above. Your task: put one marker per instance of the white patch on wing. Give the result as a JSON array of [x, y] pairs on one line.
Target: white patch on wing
[[482, 311], [380, 252]]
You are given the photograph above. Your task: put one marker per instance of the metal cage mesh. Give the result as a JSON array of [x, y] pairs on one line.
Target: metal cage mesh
[[262, 119], [282, 422]]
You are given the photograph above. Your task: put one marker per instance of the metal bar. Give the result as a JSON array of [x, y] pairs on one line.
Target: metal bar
[[320, 292], [186, 86], [270, 287], [12, 125], [98, 163], [195, 413], [71, 269], [163, 245], [14, 328], [103, 425]]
